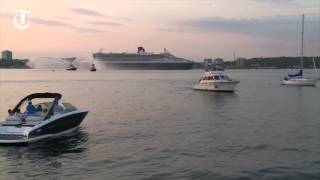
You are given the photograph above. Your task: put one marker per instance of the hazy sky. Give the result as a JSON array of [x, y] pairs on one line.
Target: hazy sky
[[193, 29]]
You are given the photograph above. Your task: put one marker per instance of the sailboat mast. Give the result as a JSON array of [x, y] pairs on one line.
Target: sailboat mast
[[302, 31]]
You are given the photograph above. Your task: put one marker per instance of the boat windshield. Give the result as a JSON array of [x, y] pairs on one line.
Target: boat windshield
[[207, 78], [224, 77], [217, 77]]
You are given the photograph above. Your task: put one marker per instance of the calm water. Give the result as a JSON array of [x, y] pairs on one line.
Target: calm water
[[152, 125]]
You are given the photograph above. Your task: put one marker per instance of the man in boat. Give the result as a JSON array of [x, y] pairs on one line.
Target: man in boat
[[39, 110], [10, 112], [31, 109], [21, 116], [58, 108]]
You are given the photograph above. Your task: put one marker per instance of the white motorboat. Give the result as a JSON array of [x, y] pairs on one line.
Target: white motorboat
[[298, 79], [54, 120], [216, 81]]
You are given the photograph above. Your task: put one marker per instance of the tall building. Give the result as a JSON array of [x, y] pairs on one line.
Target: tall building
[[6, 55], [207, 63], [216, 64], [241, 62]]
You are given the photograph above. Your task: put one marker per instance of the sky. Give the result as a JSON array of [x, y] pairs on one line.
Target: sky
[[192, 29]]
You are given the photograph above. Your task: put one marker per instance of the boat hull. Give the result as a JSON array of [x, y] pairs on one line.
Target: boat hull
[[217, 86], [300, 82], [27, 141], [57, 126]]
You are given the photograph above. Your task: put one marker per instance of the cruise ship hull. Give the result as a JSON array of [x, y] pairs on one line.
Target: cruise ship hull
[[149, 65]]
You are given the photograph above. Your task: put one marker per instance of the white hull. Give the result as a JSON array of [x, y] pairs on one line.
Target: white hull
[[217, 86], [300, 82], [36, 139]]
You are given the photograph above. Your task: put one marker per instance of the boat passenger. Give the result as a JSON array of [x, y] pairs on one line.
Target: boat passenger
[[44, 112], [31, 109], [10, 112], [39, 110], [58, 108], [21, 116]]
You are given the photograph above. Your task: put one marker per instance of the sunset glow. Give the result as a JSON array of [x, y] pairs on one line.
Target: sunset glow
[[188, 28]]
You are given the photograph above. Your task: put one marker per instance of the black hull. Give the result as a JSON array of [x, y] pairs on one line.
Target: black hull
[[59, 125], [150, 66], [72, 69], [15, 144]]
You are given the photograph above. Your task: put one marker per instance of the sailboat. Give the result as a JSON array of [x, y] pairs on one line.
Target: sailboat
[[298, 79]]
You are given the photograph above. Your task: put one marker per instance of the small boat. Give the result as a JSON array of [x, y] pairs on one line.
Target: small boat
[[54, 120], [298, 79], [93, 68], [71, 60], [71, 68], [216, 81]]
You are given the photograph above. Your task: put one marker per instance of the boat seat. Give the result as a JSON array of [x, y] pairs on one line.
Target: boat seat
[[69, 107], [34, 118], [14, 120]]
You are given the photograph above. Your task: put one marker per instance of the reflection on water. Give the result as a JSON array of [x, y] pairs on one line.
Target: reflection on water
[[42, 158], [73, 144]]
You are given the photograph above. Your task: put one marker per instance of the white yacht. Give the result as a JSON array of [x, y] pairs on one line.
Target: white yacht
[[216, 81]]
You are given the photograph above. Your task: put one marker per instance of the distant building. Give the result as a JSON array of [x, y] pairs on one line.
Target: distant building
[[216, 64], [241, 62], [6, 55], [207, 63]]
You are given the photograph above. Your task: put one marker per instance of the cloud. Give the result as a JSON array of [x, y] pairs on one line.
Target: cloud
[[275, 27], [86, 12], [177, 29], [276, 1], [50, 22], [166, 29], [55, 23], [6, 15], [286, 3], [89, 12], [105, 23], [64, 25], [120, 18]]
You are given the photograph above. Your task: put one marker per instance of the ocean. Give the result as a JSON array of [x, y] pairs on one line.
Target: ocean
[[152, 125]]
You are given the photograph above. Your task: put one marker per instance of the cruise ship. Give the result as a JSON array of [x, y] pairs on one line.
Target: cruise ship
[[142, 60]]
